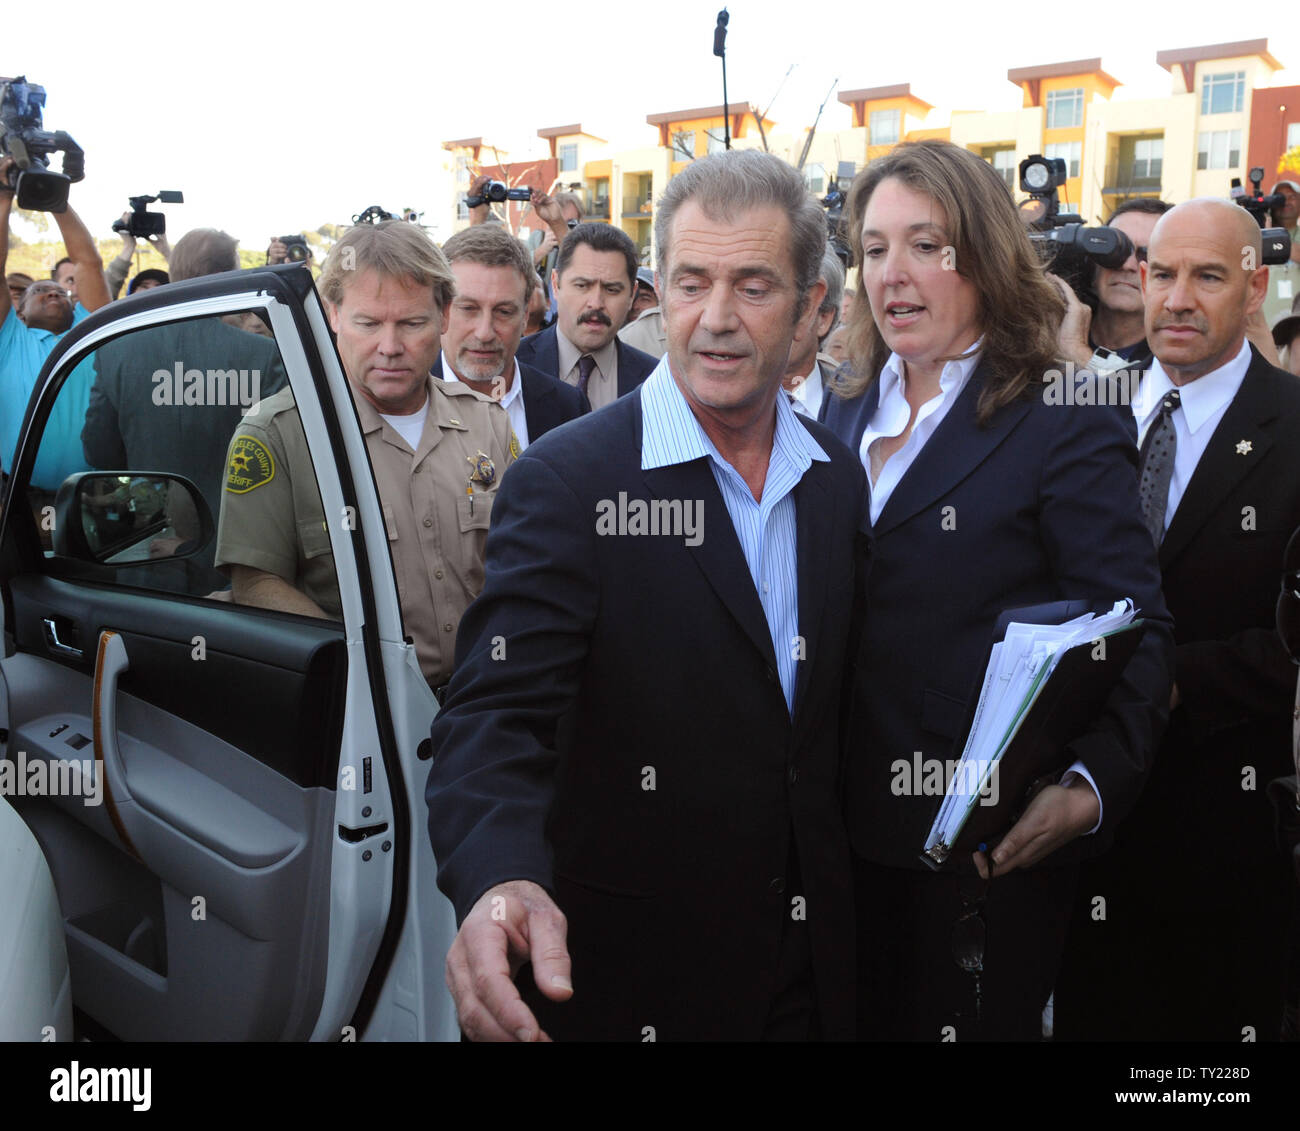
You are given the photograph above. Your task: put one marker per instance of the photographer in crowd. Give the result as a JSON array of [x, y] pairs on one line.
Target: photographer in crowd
[[27, 335], [282, 250], [118, 269], [1113, 336]]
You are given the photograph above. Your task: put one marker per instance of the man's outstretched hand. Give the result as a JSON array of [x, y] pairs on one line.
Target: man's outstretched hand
[[511, 924]]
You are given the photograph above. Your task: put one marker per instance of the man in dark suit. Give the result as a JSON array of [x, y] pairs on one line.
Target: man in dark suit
[[594, 282], [635, 772], [808, 375], [1178, 931], [215, 373], [494, 281]]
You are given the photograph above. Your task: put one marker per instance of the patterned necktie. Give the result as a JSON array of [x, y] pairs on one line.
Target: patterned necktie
[[1156, 466], [586, 363]]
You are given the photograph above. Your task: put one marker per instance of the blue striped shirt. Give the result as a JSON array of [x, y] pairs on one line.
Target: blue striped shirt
[[766, 530]]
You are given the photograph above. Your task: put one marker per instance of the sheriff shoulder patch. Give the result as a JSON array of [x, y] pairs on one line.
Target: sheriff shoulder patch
[[251, 465]]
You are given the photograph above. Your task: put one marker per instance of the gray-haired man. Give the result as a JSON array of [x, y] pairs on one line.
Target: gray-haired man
[[640, 788]]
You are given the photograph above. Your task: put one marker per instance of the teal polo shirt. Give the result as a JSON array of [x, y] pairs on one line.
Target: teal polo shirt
[[23, 351]]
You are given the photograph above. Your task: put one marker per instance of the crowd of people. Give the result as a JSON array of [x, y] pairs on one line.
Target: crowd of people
[[671, 812]]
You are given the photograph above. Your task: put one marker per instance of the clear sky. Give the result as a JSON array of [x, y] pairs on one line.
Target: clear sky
[[278, 116]]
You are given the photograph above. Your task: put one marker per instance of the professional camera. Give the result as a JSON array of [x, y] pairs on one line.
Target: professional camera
[[1276, 241], [495, 192], [1065, 243], [296, 249], [142, 223], [22, 138]]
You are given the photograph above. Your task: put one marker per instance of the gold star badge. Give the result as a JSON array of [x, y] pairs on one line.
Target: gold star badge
[[1244, 447]]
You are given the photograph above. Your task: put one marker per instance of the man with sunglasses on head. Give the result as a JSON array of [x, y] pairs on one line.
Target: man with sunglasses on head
[[1113, 337]]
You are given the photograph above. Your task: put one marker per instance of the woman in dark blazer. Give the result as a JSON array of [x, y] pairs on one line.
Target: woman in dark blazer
[[987, 493]]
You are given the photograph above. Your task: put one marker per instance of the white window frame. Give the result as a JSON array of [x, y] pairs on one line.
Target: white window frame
[[1071, 151], [1212, 84], [1157, 157], [1215, 149], [881, 123], [1057, 103]]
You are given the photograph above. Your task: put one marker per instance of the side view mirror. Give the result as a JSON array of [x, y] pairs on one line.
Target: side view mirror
[[125, 518]]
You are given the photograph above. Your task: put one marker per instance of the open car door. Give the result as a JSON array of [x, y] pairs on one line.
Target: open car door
[[230, 799]]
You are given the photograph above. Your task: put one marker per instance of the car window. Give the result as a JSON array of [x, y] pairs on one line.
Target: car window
[[173, 459]]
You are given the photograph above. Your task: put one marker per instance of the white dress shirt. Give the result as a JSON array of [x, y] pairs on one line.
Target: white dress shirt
[[512, 402], [891, 417], [1202, 404], [806, 397]]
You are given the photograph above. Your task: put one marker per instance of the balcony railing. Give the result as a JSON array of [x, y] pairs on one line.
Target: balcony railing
[[1133, 177]]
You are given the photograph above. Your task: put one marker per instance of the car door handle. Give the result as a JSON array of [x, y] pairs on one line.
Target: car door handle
[[110, 662], [57, 645]]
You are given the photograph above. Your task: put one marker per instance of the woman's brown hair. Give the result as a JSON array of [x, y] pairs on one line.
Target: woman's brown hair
[[1019, 308]]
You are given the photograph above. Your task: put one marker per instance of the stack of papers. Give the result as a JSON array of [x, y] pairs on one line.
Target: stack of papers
[[1019, 668]]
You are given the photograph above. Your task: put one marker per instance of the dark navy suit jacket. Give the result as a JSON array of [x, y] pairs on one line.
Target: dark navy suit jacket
[[616, 731], [1038, 505], [548, 403], [542, 351], [1198, 854]]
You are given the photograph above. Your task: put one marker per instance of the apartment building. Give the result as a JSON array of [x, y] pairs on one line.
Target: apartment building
[[1220, 118]]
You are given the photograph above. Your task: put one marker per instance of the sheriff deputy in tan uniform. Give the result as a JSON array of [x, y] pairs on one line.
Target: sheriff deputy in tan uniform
[[438, 451]]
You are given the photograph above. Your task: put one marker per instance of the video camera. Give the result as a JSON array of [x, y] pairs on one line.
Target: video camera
[[1066, 244], [495, 192], [1276, 241], [142, 223], [22, 138]]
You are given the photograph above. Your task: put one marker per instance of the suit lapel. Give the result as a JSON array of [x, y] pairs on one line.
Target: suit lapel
[[813, 522], [626, 381], [1223, 465], [548, 352], [718, 555], [857, 409], [535, 394], [957, 447]]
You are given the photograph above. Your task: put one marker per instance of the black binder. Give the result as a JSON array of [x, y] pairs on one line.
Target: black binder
[[1072, 697]]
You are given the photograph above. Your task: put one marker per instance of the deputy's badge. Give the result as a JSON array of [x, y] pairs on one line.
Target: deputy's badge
[[251, 465], [514, 445], [485, 471]]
